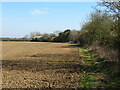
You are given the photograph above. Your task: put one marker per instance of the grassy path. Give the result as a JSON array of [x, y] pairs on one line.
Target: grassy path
[[96, 72]]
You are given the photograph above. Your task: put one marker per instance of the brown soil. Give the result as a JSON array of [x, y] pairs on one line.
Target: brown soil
[[39, 65]]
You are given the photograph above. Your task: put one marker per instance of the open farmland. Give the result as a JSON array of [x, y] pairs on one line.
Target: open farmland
[[39, 65]]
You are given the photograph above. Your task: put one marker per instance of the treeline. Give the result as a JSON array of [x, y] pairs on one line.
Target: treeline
[[101, 28], [58, 36], [14, 39]]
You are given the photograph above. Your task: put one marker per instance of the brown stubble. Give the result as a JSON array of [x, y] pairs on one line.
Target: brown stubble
[[39, 65]]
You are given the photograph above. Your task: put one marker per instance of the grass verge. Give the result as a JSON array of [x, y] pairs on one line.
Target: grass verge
[[96, 72]]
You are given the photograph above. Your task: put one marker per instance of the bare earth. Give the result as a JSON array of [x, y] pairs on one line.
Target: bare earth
[[39, 65]]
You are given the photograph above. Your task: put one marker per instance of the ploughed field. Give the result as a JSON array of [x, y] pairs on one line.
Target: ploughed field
[[39, 65]]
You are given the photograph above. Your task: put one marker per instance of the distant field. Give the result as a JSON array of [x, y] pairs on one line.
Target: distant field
[[39, 65]]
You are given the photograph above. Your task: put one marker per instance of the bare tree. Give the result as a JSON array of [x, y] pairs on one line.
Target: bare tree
[[26, 37], [32, 34], [56, 32], [112, 7]]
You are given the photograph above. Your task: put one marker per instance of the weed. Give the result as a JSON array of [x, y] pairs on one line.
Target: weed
[[87, 80]]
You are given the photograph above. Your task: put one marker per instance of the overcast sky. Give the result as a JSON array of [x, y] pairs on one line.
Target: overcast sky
[[21, 18]]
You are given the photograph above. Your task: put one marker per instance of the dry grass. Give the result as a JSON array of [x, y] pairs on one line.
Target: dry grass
[[39, 65]]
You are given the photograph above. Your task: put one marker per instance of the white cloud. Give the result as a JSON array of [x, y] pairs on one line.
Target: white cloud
[[39, 12]]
